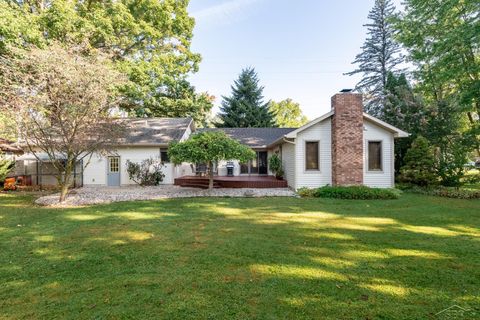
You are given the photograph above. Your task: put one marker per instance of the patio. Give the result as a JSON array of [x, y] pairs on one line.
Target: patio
[[255, 182]]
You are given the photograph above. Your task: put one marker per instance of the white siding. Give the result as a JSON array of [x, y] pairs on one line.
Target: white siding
[[288, 161], [96, 171], [319, 132], [385, 178]]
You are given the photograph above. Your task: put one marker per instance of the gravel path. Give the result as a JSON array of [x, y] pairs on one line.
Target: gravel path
[[97, 195]]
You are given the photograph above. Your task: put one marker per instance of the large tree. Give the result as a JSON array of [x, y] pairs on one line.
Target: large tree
[[404, 109], [245, 108], [380, 55], [287, 114], [149, 40], [443, 41], [60, 100], [209, 147]]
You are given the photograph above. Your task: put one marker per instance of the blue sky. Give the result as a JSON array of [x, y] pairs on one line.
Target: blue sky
[[300, 48]]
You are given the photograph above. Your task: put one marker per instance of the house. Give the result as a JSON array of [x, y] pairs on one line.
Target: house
[[343, 147]]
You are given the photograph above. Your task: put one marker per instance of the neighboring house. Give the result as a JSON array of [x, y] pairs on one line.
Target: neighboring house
[[343, 147]]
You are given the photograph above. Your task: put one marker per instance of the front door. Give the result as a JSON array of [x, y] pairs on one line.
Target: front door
[[113, 172], [262, 162]]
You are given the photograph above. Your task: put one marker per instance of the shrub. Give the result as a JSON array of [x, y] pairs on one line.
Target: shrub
[[275, 165], [419, 168], [6, 166], [352, 192], [306, 192], [147, 173], [446, 192], [356, 192]]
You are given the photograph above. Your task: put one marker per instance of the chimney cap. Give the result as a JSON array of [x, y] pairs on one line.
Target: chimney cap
[[346, 90]]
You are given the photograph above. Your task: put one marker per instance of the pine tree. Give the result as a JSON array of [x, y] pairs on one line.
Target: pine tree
[[380, 55], [419, 168], [245, 107]]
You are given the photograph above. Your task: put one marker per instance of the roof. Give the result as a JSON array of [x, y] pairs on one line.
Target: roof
[[397, 133], [154, 131], [254, 137], [9, 146]]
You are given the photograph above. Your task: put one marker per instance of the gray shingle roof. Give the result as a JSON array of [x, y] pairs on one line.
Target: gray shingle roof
[[254, 137], [153, 131]]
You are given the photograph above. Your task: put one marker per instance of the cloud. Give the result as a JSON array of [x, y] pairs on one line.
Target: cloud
[[225, 12]]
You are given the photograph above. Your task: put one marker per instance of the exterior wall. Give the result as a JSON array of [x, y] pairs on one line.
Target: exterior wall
[[347, 139], [96, 171], [288, 162], [319, 132], [384, 178]]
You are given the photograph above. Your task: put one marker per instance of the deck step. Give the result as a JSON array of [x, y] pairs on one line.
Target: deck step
[[197, 185]]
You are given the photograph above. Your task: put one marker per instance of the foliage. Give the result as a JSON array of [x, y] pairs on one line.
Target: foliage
[[419, 168], [275, 165], [445, 192], [305, 192], [209, 147], [147, 173], [350, 192], [443, 41], [245, 107], [445, 129], [148, 40], [6, 165], [63, 105], [287, 114], [380, 55]]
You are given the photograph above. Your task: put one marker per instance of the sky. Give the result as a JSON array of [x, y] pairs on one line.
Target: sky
[[300, 49]]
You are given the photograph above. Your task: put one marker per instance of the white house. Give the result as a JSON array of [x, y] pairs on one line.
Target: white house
[[343, 147]]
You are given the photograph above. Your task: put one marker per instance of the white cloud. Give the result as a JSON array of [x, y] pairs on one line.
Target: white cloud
[[225, 12]]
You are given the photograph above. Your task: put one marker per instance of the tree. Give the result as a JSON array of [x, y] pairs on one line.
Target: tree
[[448, 132], [380, 55], [61, 100], [245, 107], [406, 110], [148, 40], [209, 147], [442, 41], [287, 114], [419, 168]]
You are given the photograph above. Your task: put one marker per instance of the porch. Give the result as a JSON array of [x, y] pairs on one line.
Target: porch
[[253, 182]]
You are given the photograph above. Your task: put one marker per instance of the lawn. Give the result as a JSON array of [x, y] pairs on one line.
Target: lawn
[[240, 259]]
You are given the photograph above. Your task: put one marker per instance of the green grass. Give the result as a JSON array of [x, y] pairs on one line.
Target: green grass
[[240, 259]]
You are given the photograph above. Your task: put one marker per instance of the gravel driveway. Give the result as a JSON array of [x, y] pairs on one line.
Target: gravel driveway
[[97, 195]]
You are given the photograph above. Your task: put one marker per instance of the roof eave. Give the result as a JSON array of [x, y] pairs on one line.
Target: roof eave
[[397, 133]]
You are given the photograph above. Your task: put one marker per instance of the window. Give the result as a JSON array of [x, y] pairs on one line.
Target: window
[[114, 164], [375, 156], [311, 155], [164, 156]]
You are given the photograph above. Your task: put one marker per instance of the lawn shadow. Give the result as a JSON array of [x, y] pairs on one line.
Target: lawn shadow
[[241, 258]]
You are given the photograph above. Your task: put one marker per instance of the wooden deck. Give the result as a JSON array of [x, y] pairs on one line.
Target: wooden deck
[[232, 182]]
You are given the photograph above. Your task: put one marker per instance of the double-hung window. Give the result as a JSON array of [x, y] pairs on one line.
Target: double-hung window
[[375, 156]]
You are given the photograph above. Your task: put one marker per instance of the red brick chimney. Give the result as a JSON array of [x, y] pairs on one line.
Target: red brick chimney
[[347, 139]]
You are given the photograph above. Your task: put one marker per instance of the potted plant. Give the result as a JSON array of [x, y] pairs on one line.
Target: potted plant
[[275, 164]]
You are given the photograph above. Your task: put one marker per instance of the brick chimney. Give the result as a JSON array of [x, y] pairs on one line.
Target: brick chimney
[[347, 139]]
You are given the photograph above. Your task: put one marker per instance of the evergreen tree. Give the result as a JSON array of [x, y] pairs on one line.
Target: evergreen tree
[[380, 55], [245, 107], [419, 168]]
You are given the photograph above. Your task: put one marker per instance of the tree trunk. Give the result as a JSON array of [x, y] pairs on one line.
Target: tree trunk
[[63, 191], [210, 175]]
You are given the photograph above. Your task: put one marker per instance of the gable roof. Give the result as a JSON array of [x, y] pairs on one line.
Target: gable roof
[[154, 131], [397, 133], [254, 137]]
